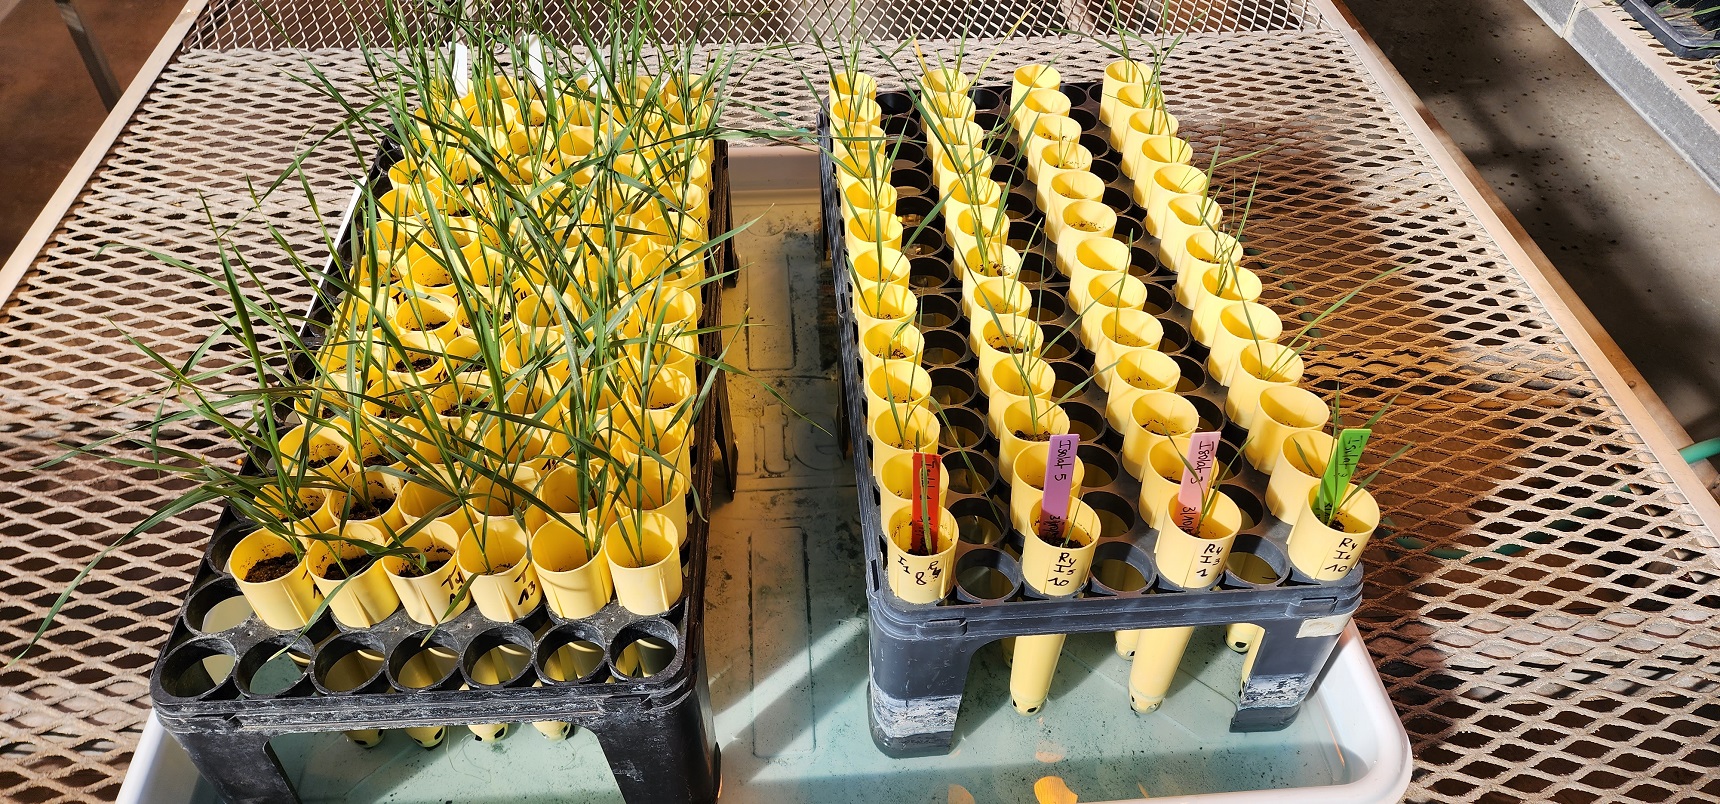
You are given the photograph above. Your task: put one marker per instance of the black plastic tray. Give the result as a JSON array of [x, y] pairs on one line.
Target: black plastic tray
[[920, 653], [1694, 37], [656, 731]]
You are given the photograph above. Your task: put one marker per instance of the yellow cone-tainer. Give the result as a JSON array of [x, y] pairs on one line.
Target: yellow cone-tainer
[[357, 601], [1285, 410], [572, 569], [493, 554], [434, 596], [1303, 461], [914, 578], [1027, 485], [1029, 77], [1055, 570], [1260, 366], [897, 386], [1328, 552], [1135, 372], [1191, 561], [1240, 326], [892, 435], [644, 563], [285, 602], [1156, 416], [1027, 421], [897, 486]]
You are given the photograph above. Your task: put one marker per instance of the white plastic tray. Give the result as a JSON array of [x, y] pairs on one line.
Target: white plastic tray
[[787, 632]]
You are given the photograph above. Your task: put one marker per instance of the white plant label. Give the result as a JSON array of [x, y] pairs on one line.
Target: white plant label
[[1322, 626], [462, 69]]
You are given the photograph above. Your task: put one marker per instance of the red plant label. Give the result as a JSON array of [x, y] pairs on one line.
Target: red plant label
[[927, 476]]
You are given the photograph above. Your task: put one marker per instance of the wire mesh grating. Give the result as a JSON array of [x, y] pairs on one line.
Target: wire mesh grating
[[1543, 615]]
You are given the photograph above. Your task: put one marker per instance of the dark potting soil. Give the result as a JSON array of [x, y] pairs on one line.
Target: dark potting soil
[[1025, 436], [431, 565], [340, 570], [1007, 346], [318, 463], [378, 460], [271, 568], [898, 353], [1061, 542], [370, 509]]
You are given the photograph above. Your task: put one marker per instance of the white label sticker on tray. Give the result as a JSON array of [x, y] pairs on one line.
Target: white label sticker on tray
[[1322, 626]]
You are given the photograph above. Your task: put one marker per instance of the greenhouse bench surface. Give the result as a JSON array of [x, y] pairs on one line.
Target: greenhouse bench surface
[[1542, 611]]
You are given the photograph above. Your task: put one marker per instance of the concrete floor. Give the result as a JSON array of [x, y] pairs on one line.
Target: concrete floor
[[49, 108], [1625, 220], [1630, 225]]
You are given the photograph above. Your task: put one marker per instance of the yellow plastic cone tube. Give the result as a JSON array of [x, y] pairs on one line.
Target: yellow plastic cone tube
[[1240, 325], [571, 567], [1027, 485], [1191, 561], [1303, 462], [1029, 77], [1053, 570], [284, 603], [1285, 410], [1260, 366], [1156, 416], [920, 579], [897, 485], [427, 598], [1013, 380], [360, 601], [1027, 421], [893, 435], [1136, 371], [493, 554], [644, 563]]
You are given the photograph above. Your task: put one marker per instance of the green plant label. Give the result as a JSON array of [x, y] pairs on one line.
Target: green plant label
[[1346, 456], [1196, 479], [1059, 477], [927, 473]]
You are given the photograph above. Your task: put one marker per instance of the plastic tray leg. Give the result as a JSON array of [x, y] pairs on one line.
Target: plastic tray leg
[[1284, 672], [915, 692], [664, 755], [240, 766]]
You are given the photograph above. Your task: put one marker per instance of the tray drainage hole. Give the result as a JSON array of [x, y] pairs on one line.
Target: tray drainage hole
[[574, 661], [961, 429], [1101, 465], [1251, 568], [977, 521], [1067, 376], [970, 472], [197, 668], [944, 348], [497, 658], [1116, 515], [217, 607], [419, 665], [346, 664], [952, 387], [638, 654], [1253, 512], [1120, 575], [273, 667], [1059, 343], [938, 312], [986, 575]]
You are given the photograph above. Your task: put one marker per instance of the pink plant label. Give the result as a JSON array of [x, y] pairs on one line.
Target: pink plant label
[[927, 473], [1059, 481], [1196, 479]]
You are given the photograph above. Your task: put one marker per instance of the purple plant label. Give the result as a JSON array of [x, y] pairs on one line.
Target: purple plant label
[[1059, 480], [1196, 479]]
